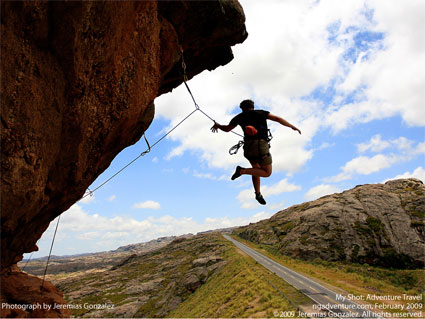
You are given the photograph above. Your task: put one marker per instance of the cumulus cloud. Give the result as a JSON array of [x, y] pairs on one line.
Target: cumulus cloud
[[385, 78], [247, 200], [399, 150], [92, 232], [364, 165], [367, 52], [376, 144], [209, 176], [401, 144], [418, 173], [88, 199], [321, 190], [147, 205], [420, 149]]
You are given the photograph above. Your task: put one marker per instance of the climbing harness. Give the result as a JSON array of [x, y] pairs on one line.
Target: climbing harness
[[235, 148]]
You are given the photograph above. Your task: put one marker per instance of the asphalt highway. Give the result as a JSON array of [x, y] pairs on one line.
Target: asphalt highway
[[336, 305]]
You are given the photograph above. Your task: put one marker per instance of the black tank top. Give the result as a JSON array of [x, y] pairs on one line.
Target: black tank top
[[255, 118]]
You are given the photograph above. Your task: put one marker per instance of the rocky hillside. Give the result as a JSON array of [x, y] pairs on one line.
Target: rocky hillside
[[93, 262], [146, 285], [378, 224]]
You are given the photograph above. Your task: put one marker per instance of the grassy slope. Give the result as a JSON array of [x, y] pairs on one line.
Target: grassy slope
[[240, 290], [356, 279]]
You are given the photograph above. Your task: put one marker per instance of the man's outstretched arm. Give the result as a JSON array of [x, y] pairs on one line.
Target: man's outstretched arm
[[225, 128], [283, 122]]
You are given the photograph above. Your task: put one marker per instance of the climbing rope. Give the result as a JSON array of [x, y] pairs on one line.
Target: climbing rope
[[91, 192], [50, 253], [197, 108], [190, 92]]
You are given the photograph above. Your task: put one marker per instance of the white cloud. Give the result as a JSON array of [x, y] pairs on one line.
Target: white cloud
[[418, 173], [286, 56], [420, 149], [111, 198], [281, 187], [399, 150], [147, 205], [376, 144], [91, 232], [364, 165], [388, 79], [321, 190], [87, 199], [270, 69], [210, 176], [247, 196], [276, 206]]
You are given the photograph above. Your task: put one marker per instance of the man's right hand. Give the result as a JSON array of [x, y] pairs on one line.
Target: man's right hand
[[215, 127]]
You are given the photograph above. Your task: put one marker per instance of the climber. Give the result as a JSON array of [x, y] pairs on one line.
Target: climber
[[256, 147]]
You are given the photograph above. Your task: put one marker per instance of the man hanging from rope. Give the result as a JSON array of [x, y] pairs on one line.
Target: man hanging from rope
[[256, 146]]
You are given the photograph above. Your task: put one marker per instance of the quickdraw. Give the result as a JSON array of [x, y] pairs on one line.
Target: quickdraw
[[235, 148]]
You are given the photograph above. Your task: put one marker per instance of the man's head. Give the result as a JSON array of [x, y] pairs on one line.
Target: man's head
[[247, 105]]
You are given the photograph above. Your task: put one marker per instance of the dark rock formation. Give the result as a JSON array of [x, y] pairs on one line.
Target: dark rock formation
[[22, 296], [78, 81], [378, 224]]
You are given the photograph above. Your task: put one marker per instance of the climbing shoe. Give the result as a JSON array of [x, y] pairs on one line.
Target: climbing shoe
[[237, 173], [260, 198]]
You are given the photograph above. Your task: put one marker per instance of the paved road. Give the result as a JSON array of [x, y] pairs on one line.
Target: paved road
[[326, 298]]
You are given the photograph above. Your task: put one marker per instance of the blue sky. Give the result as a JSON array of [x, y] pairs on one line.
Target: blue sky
[[347, 73]]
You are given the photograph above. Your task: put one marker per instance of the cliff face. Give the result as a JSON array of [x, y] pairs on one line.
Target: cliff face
[[380, 224], [78, 82]]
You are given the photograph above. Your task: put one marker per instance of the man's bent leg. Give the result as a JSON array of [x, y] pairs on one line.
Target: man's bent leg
[[260, 171]]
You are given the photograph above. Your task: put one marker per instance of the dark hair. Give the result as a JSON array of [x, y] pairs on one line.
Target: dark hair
[[247, 104]]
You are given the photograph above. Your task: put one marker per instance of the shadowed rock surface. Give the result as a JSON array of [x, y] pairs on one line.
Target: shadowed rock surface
[[378, 224], [78, 83]]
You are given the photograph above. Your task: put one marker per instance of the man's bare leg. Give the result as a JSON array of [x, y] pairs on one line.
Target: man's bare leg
[[257, 170], [256, 179]]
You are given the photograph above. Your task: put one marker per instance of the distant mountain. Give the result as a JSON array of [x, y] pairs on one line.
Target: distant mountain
[[99, 260], [377, 224]]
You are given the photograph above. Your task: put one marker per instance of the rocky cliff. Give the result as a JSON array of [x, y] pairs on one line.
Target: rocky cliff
[[78, 81], [378, 224]]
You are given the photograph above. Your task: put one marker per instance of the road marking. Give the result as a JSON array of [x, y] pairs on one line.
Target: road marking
[[298, 281]]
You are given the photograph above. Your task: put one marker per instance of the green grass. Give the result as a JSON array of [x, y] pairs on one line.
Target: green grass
[[352, 278], [241, 289]]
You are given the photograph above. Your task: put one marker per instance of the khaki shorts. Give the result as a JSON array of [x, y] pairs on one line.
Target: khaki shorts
[[257, 151]]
